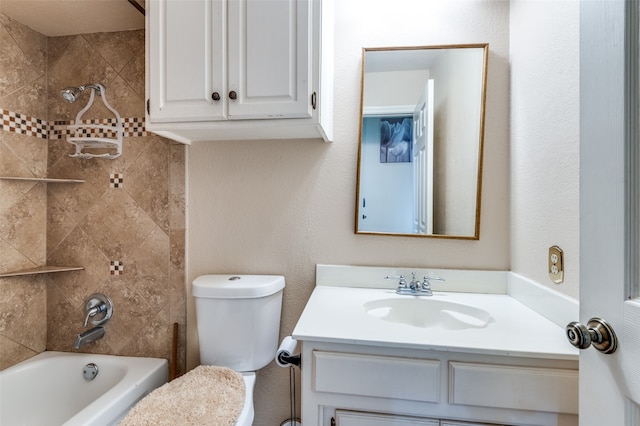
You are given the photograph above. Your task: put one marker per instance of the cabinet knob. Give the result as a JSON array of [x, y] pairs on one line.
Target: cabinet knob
[[215, 96], [233, 95]]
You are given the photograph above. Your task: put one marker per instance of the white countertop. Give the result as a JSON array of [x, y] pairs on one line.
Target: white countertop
[[337, 315]]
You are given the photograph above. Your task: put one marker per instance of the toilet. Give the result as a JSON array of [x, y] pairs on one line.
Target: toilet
[[238, 322]]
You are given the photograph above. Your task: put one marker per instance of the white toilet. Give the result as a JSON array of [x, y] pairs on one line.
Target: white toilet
[[238, 322]]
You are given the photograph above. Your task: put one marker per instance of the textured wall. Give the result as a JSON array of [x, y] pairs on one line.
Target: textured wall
[[125, 224], [130, 211], [282, 207], [23, 220], [545, 138]]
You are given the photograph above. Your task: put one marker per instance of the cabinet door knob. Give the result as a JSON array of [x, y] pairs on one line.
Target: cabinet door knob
[[233, 95], [215, 96]]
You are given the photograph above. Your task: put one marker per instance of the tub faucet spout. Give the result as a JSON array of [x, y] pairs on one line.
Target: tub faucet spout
[[88, 336]]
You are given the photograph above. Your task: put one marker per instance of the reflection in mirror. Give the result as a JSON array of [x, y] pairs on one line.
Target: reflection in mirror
[[421, 138]]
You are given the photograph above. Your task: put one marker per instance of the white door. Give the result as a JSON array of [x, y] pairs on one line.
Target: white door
[[423, 162], [270, 59], [609, 210]]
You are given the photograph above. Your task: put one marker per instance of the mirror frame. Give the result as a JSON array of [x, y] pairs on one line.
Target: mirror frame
[[476, 234]]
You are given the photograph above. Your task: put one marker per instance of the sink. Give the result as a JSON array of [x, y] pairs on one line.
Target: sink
[[428, 312]]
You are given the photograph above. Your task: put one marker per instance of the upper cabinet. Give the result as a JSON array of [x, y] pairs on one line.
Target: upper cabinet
[[239, 69]]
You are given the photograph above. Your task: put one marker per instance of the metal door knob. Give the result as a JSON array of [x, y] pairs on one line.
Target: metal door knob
[[233, 95], [597, 333], [215, 96]]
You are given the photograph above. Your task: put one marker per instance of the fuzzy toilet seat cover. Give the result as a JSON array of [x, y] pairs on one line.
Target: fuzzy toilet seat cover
[[207, 395]]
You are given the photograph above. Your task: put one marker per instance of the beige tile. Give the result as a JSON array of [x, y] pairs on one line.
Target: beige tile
[[78, 249], [176, 186], [23, 224], [12, 190], [117, 224], [133, 73], [77, 199], [120, 96], [117, 48], [11, 259], [132, 148], [22, 155], [132, 312], [11, 353], [32, 43], [79, 64], [64, 320], [23, 315], [16, 68], [148, 183], [147, 269], [56, 46], [28, 99], [59, 223], [57, 149], [151, 338]]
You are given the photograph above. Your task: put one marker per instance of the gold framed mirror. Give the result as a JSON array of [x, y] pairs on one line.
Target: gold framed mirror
[[421, 141]]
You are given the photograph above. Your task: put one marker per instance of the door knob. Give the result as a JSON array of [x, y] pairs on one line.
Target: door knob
[[597, 333], [233, 95]]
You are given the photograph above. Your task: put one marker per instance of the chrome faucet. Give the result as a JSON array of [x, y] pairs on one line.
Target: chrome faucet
[[414, 287], [98, 310], [88, 336]]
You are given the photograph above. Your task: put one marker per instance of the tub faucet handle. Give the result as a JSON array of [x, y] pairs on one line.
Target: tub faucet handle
[[93, 312], [98, 309]]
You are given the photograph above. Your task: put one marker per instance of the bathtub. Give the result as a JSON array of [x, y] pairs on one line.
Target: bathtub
[[49, 389]]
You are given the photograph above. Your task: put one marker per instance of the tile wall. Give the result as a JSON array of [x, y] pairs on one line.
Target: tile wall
[[124, 224]]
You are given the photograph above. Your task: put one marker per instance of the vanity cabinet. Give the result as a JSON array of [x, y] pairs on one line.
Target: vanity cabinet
[[239, 69], [357, 385]]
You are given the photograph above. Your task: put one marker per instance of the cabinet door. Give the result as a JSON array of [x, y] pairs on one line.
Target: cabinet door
[[186, 60], [270, 58], [356, 418]]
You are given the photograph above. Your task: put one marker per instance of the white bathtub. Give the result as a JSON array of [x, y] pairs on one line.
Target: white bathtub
[[49, 389]]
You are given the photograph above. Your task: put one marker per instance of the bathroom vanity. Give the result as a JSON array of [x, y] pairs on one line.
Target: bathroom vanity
[[372, 357]]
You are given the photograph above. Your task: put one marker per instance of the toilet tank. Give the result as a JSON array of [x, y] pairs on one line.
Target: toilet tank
[[238, 319]]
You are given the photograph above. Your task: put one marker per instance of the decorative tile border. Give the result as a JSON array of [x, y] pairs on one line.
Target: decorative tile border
[[20, 123]]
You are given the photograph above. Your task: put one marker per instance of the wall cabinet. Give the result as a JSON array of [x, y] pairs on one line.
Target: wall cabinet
[[356, 385], [239, 69]]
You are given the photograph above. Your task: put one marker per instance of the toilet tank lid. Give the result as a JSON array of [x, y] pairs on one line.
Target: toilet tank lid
[[236, 286]]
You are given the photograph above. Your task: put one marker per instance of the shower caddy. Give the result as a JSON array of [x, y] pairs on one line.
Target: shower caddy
[[102, 141]]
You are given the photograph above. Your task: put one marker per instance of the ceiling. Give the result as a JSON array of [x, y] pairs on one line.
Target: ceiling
[[67, 17]]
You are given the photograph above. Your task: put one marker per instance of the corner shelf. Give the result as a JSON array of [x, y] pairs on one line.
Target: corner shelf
[[47, 269], [41, 270], [48, 180]]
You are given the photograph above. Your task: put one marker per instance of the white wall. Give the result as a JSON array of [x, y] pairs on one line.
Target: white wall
[[545, 138], [456, 166], [281, 207]]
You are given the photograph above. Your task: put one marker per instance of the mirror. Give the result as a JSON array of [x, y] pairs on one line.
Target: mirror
[[421, 138]]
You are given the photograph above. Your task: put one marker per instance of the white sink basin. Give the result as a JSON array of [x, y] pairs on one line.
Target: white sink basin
[[428, 312]]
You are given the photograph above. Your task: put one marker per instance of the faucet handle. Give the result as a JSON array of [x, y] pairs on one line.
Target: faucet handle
[[99, 308], [402, 283], [426, 281]]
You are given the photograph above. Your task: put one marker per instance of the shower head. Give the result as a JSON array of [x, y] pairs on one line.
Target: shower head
[[71, 94]]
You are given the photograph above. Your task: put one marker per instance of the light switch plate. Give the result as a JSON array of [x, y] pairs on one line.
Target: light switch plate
[[556, 264]]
